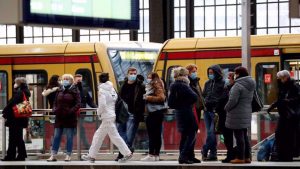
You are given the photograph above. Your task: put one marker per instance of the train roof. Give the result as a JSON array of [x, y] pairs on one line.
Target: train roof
[[72, 48], [290, 40]]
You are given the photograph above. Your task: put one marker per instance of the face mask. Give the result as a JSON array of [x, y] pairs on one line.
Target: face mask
[[211, 77], [149, 80], [16, 85], [132, 77], [193, 75], [227, 81], [66, 83]]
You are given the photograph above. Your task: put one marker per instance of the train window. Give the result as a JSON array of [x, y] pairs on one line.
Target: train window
[[293, 66], [266, 81], [226, 68], [37, 81], [170, 75], [3, 89], [87, 83]]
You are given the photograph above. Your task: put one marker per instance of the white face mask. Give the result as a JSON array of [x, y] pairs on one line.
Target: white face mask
[[16, 85]]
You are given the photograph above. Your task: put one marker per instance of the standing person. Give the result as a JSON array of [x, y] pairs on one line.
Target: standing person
[[107, 97], [16, 125], [132, 93], [199, 105], [288, 108], [182, 98], [227, 133], [66, 108], [239, 109], [51, 89], [213, 91], [85, 99], [155, 99]]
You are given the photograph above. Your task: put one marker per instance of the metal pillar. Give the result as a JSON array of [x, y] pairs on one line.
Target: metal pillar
[[78, 138], [246, 49], [3, 138]]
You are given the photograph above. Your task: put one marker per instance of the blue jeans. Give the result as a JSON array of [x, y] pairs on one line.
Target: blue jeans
[[128, 130], [58, 132], [211, 140]]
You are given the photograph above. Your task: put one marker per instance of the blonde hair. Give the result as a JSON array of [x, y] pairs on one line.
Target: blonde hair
[[68, 76]]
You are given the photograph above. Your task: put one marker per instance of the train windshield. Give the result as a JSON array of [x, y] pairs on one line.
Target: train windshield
[[121, 60]]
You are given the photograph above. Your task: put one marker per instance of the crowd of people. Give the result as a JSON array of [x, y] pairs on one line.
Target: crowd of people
[[225, 102]]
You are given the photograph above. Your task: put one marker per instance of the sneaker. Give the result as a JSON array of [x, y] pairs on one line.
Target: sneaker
[[88, 158], [120, 156], [68, 158], [149, 158], [125, 158], [52, 158], [157, 158]]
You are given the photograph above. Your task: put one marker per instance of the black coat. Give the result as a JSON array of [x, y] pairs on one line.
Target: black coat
[[17, 98], [85, 97], [138, 106], [182, 98]]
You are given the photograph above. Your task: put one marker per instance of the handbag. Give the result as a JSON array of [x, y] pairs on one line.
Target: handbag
[[121, 110], [23, 109], [257, 104], [152, 107]]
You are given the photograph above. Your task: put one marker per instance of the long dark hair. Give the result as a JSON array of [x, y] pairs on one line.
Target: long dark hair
[[154, 76], [241, 71], [53, 82]]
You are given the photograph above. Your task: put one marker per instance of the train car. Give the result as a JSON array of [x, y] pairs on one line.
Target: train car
[[269, 54]]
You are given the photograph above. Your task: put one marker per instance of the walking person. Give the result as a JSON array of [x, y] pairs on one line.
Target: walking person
[[227, 133], [239, 113], [155, 99], [66, 108], [288, 108], [85, 99], [107, 97], [182, 98], [132, 93], [51, 89], [16, 125], [199, 105], [213, 91]]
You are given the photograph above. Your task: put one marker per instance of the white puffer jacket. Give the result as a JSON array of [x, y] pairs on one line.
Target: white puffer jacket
[[107, 97]]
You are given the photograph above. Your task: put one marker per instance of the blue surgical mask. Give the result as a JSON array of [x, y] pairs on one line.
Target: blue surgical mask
[[211, 77], [193, 75], [149, 80], [132, 77], [227, 81], [66, 83]]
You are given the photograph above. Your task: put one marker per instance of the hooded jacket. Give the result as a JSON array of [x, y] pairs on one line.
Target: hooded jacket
[[107, 97], [213, 89], [239, 105], [17, 98]]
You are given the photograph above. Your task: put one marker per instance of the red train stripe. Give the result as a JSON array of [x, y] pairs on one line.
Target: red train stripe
[[236, 53], [46, 60]]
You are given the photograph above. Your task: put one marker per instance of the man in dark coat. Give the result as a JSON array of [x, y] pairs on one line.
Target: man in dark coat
[[132, 93], [16, 125], [289, 111], [213, 91]]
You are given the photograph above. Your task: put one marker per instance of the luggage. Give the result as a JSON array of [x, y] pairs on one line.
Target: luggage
[[266, 150]]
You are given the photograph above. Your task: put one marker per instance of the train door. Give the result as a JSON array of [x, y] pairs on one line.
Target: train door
[[293, 66], [3, 89]]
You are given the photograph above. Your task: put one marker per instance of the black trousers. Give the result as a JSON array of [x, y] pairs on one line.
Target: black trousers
[[187, 144], [16, 142], [228, 141], [243, 144], [154, 127]]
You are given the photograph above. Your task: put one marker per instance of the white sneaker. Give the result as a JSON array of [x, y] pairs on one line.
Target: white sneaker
[[68, 158], [52, 158], [149, 158], [157, 158], [125, 158], [88, 158]]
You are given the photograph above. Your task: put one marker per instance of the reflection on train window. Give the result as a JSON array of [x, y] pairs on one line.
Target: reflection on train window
[[170, 75], [3, 89], [37, 81], [121, 60], [266, 81], [87, 83], [226, 68]]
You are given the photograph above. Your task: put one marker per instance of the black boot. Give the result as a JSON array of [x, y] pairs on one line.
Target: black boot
[[120, 156]]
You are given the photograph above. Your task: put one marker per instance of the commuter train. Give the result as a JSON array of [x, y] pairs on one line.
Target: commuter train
[[269, 54]]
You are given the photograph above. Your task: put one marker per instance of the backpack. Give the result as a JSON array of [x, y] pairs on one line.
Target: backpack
[[121, 110], [265, 150]]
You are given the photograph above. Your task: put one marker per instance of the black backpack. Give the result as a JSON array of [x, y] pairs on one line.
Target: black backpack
[[121, 110]]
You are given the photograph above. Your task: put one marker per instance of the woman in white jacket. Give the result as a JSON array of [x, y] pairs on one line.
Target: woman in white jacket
[[107, 97]]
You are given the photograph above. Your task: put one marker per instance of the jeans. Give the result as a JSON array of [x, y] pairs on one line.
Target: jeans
[[211, 140], [128, 130], [15, 141], [154, 128], [58, 132], [187, 143], [243, 144]]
